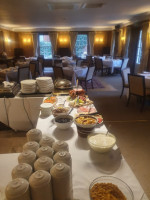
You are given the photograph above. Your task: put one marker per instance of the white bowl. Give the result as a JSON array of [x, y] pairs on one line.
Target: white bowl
[[100, 142], [64, 125]]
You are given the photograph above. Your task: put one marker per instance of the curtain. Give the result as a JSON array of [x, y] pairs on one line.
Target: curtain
[[36, 44], [132, 52], [145, 46], [119, 43], [73, 37], [53, 37], [127, 38], [112, 44], [116, 42], [91, 36], [2, 47]]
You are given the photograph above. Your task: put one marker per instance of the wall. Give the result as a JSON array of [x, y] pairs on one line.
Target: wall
[[10, 42], [63, 44], [26, 43], [102, 47]]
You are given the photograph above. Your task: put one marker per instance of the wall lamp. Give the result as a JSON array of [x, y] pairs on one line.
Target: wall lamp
[[99, 39], [7, 40], [26, 40], [63, 40]]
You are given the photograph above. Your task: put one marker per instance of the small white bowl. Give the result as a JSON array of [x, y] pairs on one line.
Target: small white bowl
[[63, 125], [100, 142]]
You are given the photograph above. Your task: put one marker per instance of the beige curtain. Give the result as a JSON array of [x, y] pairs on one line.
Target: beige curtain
[[36, 44], [127, 38], [119, 43], [2, 47], [73, 37], [145, 46], [112, 44], [91, 36], [53, 37]]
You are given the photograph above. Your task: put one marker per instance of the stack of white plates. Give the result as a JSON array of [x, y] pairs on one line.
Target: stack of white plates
[[45, 84], [28, 86]]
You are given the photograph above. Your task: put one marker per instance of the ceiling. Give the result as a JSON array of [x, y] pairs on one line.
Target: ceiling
[[42, 15]]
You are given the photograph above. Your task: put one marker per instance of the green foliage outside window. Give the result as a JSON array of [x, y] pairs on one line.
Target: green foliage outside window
[[45, 46], [81, 45]]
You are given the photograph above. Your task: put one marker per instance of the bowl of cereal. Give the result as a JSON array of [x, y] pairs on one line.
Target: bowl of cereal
[[109, 187], [85, 124]]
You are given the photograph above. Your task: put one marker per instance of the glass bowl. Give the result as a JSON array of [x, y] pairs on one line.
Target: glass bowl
[[123, 187]]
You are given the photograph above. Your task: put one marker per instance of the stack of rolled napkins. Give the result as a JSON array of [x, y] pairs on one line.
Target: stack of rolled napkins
[[44, 170]]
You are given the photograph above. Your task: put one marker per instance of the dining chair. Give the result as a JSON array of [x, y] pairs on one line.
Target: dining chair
[[100, 67], [48, 67], [57, 63], [88, 77], [34, 68], [124, 76], [58, 72], [89, 60], [23, 74], [137, 88]]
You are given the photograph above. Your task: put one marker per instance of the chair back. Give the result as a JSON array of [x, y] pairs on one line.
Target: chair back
[[124, 63], [57, 63], [124, 75], [136, 85], [58, 72], [90, 73], [21, 59], [34, 67], [89, 61], [98, 63], [23, 73], [47, 63]]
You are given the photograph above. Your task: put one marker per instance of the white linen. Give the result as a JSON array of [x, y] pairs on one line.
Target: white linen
[[9, 74], [112, 63], [75, 72], [86, 164], [147, 79], [22, 112]]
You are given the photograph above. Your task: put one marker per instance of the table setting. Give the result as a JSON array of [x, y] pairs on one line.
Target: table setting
[[112, 63]]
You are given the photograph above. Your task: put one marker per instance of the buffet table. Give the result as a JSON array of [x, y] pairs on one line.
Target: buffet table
[[86, 164]]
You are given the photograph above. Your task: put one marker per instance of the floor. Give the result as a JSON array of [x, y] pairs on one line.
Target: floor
[[128, 124]]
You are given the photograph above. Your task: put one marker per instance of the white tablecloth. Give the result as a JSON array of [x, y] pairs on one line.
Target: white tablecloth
[[9, 74], [22, 113], [147, 79], [75, 72], [86, 164], [112, 63]]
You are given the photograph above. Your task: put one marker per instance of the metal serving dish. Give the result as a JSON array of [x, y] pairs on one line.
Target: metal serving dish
[[62, 84]]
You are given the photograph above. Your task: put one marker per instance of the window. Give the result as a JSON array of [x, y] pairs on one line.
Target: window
[[139, 49], [45, 46], [81, 45]]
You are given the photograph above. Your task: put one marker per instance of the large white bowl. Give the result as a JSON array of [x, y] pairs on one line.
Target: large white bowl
[[63, 125], [101, 142], [61, 113]]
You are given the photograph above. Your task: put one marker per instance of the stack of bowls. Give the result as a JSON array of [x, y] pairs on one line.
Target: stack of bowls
[[46, 109]]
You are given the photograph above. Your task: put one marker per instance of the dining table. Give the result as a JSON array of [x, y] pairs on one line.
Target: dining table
[[9, 74], [112, 63], [87, 164], [147, 78], [74, 72]]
